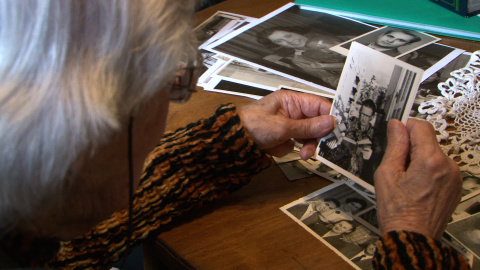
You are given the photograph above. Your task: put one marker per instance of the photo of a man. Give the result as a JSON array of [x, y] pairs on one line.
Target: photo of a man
[[391, 41], [366, 99]]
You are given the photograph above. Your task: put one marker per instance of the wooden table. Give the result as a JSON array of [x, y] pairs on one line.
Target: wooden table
[[246, 230]]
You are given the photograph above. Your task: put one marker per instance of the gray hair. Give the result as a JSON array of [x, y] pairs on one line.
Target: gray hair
[[71, 72]]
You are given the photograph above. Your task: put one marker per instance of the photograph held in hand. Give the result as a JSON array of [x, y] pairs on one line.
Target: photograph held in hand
[[373, 89]]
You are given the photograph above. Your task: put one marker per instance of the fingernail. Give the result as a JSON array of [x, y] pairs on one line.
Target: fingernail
[[329, 124]]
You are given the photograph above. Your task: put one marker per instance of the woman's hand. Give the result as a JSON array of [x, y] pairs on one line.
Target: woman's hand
[[277, 118], [417, 186]]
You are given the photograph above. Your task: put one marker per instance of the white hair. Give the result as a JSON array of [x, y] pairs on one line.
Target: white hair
[[70, 74]]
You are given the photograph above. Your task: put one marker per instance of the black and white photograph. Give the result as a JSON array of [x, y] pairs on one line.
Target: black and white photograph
[[431, 58], [323, 170], [245, 73], [217, 84], [392, 41], [329, 215], [292, 156], [328, 206], [369, 219], [360, 189], [467, 208], [218, 25], [350, 239], [209, 65], [471, 185], [428, 89], [374, 88], [364, 259], [467, 232], [294, 170], [295, 43]]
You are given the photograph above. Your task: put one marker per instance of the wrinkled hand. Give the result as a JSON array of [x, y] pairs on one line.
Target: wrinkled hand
[[417, 186], [277, 118]]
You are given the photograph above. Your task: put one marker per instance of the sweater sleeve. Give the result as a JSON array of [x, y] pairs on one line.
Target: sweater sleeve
[[409, 250], [192, 166]]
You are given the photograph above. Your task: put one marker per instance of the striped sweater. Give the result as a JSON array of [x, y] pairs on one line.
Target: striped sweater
[[409, 250], [202, 162], [193, 166]]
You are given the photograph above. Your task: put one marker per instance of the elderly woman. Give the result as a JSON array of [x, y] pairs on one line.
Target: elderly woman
[[87, 172]]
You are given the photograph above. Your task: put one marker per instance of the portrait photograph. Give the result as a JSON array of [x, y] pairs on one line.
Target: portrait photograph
[[394, 42], [295, 43], [373, 89]]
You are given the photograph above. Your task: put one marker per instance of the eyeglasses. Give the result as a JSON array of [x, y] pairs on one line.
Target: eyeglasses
[[186, 81]]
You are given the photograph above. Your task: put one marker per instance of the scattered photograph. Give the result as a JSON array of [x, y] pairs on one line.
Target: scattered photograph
[[471, 185], [294, 170], [323, 170], [431, 58], [292, 156], [216, 84], [428, 89], [245, 73], [329, 215], [392, 41], [360, 189], [364, 259], [374, 88], [327, 206], [467, 232], [210, 64], [218, 25], [369, 219], [466, 208], [295, 43], [352, 240]]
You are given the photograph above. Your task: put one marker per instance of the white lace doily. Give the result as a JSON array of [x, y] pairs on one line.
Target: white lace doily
[[456, 115]]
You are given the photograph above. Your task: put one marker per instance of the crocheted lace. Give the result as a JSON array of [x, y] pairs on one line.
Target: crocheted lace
[[456, 115]]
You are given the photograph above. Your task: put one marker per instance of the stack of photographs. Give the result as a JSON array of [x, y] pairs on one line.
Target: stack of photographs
[[371, 75], [300, 49]]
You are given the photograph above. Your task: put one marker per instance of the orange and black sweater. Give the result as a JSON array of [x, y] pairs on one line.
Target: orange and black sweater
[[409, 250], [193, 166]]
